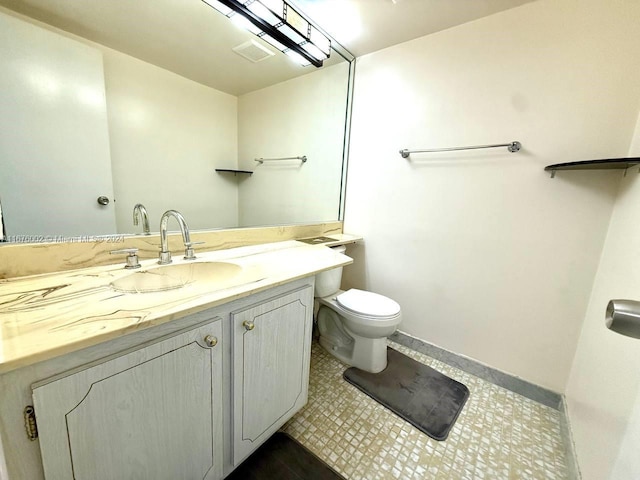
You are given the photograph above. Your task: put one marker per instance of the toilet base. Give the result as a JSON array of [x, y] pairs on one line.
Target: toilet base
[[368, 354]]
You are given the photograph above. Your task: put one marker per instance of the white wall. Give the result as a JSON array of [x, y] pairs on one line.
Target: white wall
[[603, 394], [487, 255], [303, 116], [168, 135]]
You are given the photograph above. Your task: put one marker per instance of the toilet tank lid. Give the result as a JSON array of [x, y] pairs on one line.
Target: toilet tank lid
[[368, 303]]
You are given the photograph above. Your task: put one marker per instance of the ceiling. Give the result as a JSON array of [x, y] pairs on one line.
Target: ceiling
[[365, 26], [193, 40]]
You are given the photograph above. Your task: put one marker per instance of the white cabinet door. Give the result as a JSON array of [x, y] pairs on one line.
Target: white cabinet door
[[154, 413], [54, 139], [271, 357]]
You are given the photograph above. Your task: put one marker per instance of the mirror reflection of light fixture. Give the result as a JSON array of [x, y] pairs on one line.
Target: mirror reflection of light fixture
[[280, 25]]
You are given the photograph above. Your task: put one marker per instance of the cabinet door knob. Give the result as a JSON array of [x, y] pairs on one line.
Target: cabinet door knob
[[211, 340], [248, 325]]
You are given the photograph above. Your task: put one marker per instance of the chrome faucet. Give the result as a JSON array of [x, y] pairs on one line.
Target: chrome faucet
[[139, 209], [165, 254]]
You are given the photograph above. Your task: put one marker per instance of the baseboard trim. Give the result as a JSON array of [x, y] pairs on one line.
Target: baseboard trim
[[573, 467], [510, 382]]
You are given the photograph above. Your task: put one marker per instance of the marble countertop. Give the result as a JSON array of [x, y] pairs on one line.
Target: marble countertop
[[44, 316]]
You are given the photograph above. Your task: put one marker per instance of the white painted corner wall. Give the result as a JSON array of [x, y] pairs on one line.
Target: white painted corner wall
[[174, 133], [486, 254], [168, 134], [603, 394], [158, 119], [302, 116]]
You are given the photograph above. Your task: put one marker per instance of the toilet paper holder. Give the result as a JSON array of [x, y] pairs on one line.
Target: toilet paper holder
[[623, 317]]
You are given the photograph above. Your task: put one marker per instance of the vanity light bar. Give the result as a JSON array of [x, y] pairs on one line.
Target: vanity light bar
[[280, 25]]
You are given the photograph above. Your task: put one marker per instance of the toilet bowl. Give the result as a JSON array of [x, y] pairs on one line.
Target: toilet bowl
[[354, 325]]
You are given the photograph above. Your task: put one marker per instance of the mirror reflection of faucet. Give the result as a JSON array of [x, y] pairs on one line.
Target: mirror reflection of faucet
[[140, 211], [165, 254], [2, 229]]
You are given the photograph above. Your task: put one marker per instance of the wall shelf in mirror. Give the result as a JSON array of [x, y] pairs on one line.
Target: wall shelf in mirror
[[603, 164], [235, 172]]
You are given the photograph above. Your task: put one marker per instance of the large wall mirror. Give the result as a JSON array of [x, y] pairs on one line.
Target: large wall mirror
[[111, 103]]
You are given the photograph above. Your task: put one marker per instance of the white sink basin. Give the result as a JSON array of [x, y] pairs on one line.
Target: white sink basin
[[213, 275]]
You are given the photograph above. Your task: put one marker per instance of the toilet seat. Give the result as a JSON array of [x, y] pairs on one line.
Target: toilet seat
[[368, 304]]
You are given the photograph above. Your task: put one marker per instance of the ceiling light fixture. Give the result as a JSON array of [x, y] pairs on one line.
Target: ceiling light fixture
[[280, 25]]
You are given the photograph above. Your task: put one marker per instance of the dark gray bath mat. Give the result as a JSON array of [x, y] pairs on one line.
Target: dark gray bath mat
[[283, 458], [424, 397]]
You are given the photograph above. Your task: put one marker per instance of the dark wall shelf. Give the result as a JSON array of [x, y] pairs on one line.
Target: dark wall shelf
[[604, 164], [235, 172]]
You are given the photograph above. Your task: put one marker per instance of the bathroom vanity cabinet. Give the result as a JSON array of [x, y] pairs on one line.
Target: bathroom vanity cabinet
[[153, 413], [271, 354], [191, 398]]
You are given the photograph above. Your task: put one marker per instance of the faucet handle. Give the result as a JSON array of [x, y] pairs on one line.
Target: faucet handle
[[189, 253], [132, 256]]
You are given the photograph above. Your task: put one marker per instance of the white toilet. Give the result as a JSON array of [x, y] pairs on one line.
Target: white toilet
[[354, 325]]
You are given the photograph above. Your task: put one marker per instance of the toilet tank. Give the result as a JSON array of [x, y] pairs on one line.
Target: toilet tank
[[329, 282]]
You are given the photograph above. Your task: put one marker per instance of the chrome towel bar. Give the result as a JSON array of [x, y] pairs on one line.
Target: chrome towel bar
[[511, 146], [262, 160]]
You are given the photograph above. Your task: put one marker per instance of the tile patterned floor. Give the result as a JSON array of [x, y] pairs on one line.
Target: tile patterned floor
[[499, 434]]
